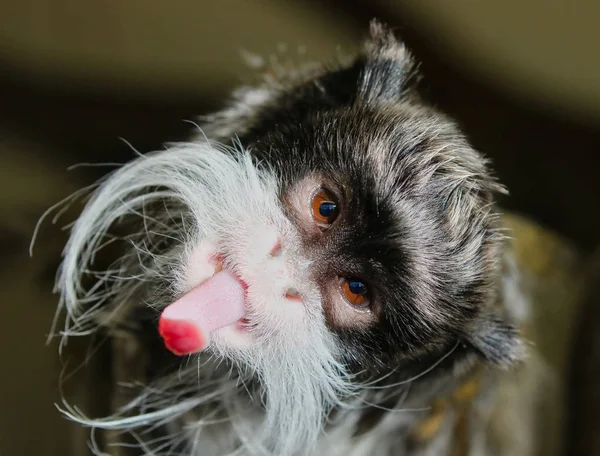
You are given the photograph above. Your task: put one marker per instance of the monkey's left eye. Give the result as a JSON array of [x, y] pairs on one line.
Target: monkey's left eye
[[325, 208]]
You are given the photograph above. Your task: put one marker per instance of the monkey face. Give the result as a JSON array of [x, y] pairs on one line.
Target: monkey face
[[406, 221], [363, 233]]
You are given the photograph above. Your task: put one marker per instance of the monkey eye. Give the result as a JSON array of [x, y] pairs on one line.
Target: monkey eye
[[325, 208], [355, 292]]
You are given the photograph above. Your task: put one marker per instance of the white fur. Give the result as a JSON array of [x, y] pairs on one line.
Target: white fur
[[231, 205]]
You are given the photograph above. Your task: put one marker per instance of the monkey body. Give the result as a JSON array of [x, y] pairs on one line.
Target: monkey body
[[383, 310]]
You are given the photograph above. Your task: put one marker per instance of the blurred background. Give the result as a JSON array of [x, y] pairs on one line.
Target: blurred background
[[76, 78]]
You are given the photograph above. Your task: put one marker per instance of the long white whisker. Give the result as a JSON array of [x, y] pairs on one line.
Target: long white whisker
[[421, 374]]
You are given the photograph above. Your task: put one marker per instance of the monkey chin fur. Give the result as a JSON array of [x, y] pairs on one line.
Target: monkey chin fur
[[226, 202]]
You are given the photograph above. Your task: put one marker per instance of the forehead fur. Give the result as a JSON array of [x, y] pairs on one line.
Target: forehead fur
[[383, 69]]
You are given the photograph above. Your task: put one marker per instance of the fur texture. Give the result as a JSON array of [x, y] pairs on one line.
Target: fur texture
[[417, 224]]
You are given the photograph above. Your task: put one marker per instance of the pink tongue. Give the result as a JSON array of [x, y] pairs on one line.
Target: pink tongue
[[185, 325]]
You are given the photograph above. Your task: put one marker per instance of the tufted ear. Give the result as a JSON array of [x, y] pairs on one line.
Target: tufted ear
[[382, 44], [389, 71], [497, 341]]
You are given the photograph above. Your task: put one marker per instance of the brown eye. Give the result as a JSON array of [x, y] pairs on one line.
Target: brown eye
[[355, 292], [324, 207]]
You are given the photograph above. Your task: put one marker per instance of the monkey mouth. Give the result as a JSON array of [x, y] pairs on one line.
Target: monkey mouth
[[243, 324], [218, 301]]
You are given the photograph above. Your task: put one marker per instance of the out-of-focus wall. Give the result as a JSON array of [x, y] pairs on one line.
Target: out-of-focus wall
[[175, 47], [543, 49], [546, 50]]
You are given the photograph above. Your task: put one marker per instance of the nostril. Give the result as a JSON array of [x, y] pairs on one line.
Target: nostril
[[292, 293], [276, 249]]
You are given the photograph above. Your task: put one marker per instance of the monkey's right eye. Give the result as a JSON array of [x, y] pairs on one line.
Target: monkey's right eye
[[325, 208], [355, 292]]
